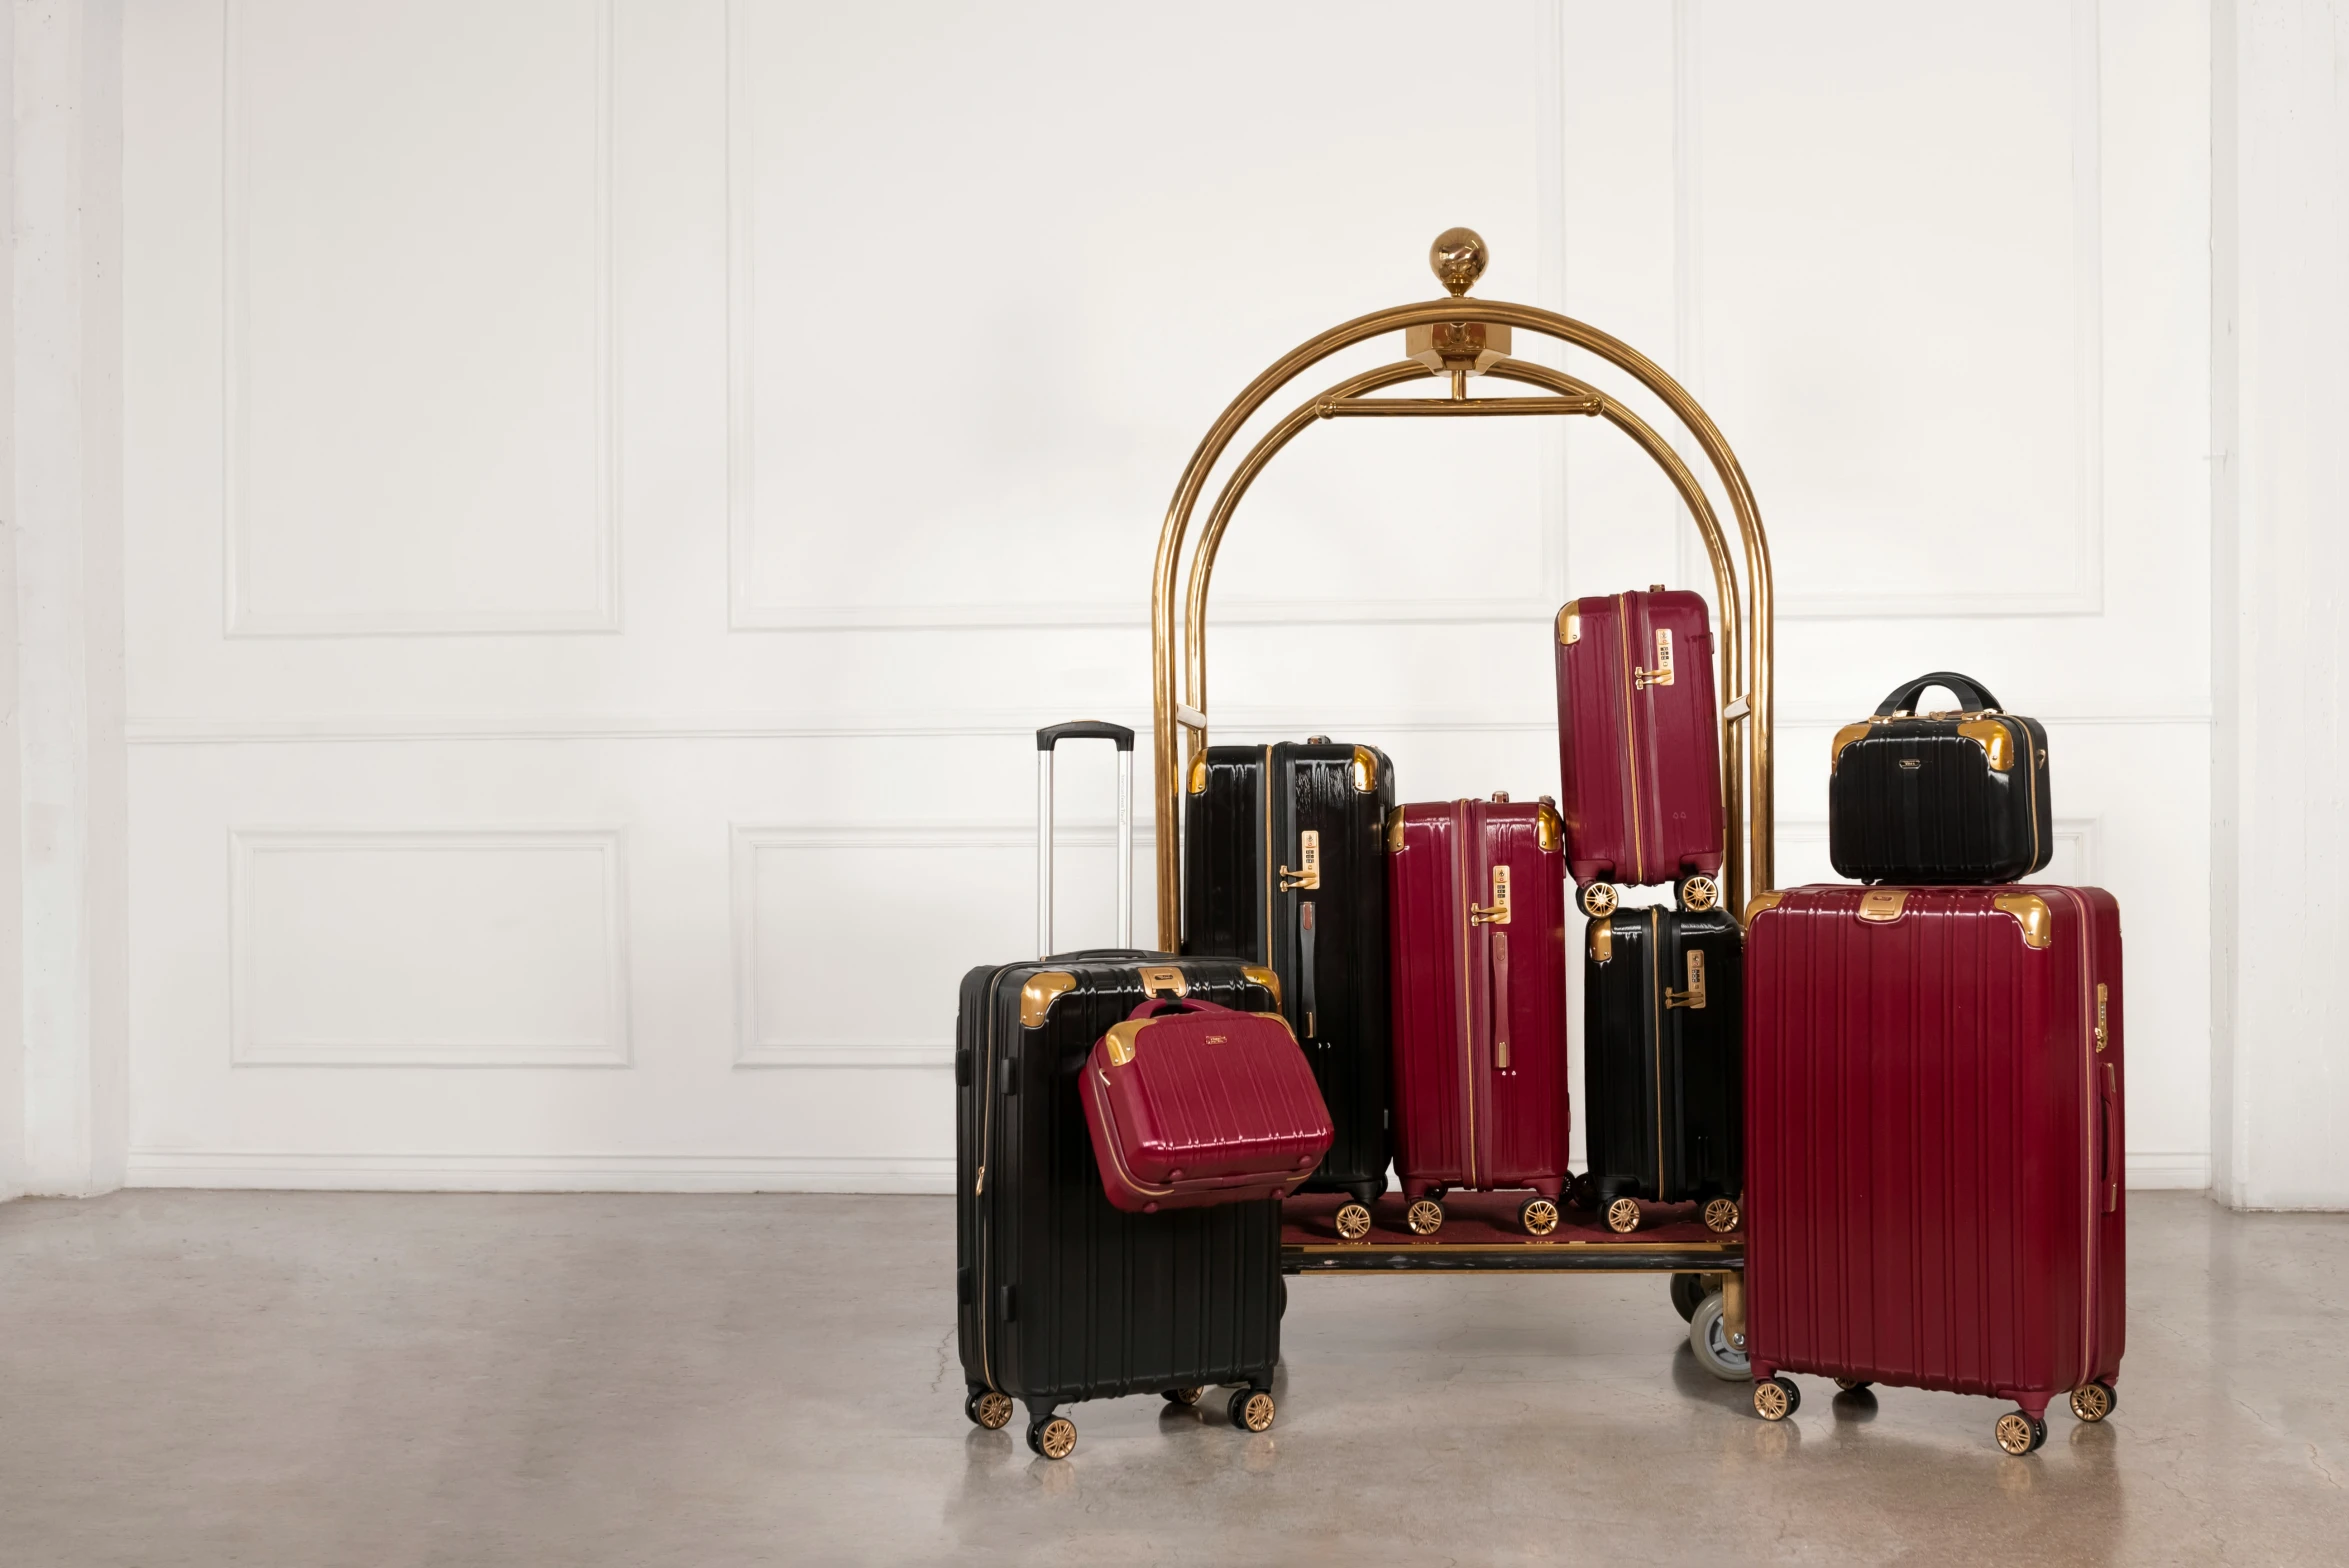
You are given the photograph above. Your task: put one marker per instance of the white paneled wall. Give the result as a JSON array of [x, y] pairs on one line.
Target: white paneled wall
[[610, 485]]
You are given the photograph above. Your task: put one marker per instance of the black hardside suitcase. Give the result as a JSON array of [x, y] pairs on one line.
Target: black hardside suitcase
[[1663, 1044], [1284, 864], [1925, 798], [1059, 1295]]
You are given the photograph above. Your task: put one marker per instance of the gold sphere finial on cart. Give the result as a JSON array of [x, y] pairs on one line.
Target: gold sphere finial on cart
[[1458, 257]]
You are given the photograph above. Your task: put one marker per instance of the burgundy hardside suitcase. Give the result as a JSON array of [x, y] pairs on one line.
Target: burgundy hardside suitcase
[[1933, 1144], [1477, 914], [1639, 746], [1192, 1103]]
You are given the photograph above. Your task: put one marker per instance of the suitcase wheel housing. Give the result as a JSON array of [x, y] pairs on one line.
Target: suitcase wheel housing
[[1353, 1221], [1183, 1396], [1699, 893], [1252, 1410], [1054, 1437], [1426, 1217], [1623, 1216], [1599, 899], [1723, 1216], [2019, 1433], [1538, 1215], [988, 1409], [1777, 1398], [2092, 1402]]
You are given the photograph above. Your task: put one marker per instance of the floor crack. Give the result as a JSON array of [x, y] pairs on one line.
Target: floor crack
[[945, 1341]]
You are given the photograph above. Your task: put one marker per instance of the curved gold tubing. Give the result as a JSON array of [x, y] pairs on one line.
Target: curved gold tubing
[[1575, 397], [1166, 767]]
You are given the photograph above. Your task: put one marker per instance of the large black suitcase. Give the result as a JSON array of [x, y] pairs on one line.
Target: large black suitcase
[[1284, 863], [1956, 797], [1663, 1045], [1059, 1295]]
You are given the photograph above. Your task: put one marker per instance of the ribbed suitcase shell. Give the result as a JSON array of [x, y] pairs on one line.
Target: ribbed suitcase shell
[[1934, 1191], [1661, 1097], [1244, 819], [1061, 1296], [1213, 1106], [1461, 1118], [1914, 800], [1640, 760]]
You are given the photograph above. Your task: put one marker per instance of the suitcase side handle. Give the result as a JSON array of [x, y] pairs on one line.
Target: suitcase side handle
[[1971, 694], [1048, 740]]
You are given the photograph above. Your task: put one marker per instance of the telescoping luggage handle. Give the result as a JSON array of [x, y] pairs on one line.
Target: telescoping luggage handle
[[1048, 738]]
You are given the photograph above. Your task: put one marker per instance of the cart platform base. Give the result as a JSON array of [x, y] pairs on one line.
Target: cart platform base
[[1480, 1230]]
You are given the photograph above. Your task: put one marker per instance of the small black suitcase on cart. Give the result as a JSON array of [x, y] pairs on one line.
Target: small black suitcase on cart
[[1284, 864], [1925, 798], [1059, 1295], [1663, 1045]]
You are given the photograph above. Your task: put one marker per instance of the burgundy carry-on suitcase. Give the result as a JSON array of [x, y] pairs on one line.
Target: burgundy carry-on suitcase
[[1933, 1145], [1477, 907], [1661, 1041], [1060, 1296], [1639, 746], [1191, 1102], [1284, 865]]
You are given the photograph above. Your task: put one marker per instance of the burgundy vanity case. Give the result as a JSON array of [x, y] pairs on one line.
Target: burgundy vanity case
[[1639, 745], [1477, 908], [1933, 1144], [1192, 1103]]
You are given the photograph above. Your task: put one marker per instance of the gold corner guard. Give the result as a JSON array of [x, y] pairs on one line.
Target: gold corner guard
[[1365, 770], [1761, 903], [1602, 939], [1041, 991], [2031, 913], [1997, 745], [1395, 831], [1198, 780], [1570, 622], [1464, 338], [1265, 978]]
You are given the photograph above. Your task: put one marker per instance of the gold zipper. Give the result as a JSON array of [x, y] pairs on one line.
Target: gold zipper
[[1460, 816], [1656, 975], [1269, 860], [986, 1088], [1630, 741]]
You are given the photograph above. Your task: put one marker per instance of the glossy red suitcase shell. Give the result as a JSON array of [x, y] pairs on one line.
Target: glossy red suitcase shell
[[1192, 1103], [1934, 1134], [1480, 1000], [1639, 739]]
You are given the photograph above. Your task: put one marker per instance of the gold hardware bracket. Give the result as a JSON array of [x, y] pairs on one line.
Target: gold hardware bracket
[[1199, 771], [1992, 737], [1495, 913], [1883, 905], [2103, 1031], [1759, 903], [1570, 622], [1308, 877], [1694, 997], [1733, 1307], [1265, 978], [1041, 991], [1602, 940], [1395, 831], [1460, 348], [1365, 770], [2031, 913], [1549, 829], [1121, 1042], [1843, 738], [1163, 977]]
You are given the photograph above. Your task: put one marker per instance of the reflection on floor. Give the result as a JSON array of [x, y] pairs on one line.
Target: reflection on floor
[[317, 1378]]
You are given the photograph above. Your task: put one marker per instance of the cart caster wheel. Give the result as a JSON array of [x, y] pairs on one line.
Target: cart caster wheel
[[1623, 1216], [1539, 1216], [989, 1409], [1599, 900], [1426, 1217], [1777, 1398], [1053, 1439], [1688, 1294], [1699, 893], [1853, 1385], [1708, 1336], [1183, 1396], [1722, 1216], [2092, 1402], [1353, 1221], [1252, 1410], [2019, 1434]]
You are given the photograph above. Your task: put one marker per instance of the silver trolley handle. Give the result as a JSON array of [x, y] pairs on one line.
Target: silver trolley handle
[[1047, 739]]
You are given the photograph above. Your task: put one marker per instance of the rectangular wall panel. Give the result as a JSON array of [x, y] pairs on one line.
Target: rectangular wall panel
[[428, 948], [418, 349]]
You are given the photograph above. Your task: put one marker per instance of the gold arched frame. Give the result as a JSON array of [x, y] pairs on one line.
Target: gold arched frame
[[1746, 606]]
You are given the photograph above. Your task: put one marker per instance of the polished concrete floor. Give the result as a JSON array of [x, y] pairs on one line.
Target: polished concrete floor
[[324, 1379]]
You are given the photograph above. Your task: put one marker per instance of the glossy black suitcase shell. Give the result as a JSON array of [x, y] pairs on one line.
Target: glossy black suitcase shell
[[1663, 1105], [1060, 1296], [1244, 817], [1959, 797]]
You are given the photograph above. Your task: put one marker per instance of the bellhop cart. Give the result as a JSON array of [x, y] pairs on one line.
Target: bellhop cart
[[1458, 341]]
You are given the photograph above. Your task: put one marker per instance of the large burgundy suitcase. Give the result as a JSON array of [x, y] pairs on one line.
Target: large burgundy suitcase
[[1933, 1144], [1060, 1296], [1284, 865], [1639, 746], [1477, 911], [1191, 1102]]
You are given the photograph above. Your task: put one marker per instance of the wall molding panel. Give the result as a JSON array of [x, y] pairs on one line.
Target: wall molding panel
[[499, 1172], [246, 618], [484, 951]]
